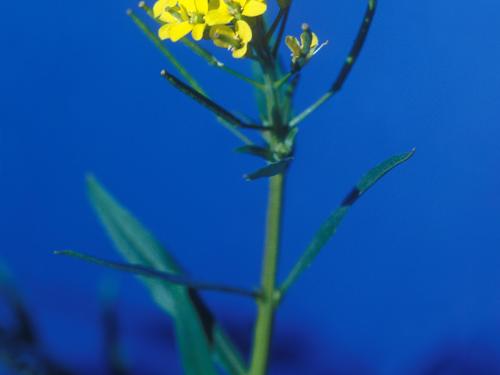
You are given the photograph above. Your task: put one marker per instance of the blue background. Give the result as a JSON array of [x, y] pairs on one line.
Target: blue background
[[409, 285]]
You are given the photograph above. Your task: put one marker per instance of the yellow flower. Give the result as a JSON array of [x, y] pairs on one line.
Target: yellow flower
[[236, 9], [182, 17], [307, 47], [236, 40], [162, 8]]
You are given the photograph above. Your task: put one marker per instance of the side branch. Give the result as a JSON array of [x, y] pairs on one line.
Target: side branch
[[281, 31], [348, 64], [208, 103], [356, 47], [213, 61], [141, 270], [164, 50], [184, 73]]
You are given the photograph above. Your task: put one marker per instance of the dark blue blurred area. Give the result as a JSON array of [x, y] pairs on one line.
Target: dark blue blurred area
[[409, 285]]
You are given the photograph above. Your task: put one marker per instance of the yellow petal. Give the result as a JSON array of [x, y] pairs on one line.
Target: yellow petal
[[216, 17], [293, 44], [168, 18], [219, 4], [220, 43], [224, 30], [240, 52], [314, 42], [217, 31], [189, 5], [158, 8], [179, 30], [198, 31], [254, 8], [201, 6], [182, 13], [213, 4], [240, 2], [244, 31], [161, 6], [164, 32]]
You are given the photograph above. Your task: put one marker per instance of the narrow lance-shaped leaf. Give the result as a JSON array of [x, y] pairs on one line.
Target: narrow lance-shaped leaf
[[159, 275], [329, 228], [261, 152], [270, 170], [196, 330]]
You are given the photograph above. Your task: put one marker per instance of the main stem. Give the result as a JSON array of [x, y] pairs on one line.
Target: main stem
[[266, 305]]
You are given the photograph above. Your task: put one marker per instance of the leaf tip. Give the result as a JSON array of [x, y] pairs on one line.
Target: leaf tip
[[61, 252], [90, 178], [410, 153]]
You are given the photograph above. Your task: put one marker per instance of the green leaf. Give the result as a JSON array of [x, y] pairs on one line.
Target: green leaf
[[329, 228], [159, 275], [381, 170], [197, 333], [261, 152], [269, 170], [290, 138]]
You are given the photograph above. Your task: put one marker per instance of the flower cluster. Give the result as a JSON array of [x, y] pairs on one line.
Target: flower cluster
[[223, 21]]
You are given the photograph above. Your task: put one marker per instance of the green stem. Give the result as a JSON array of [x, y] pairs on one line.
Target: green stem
[[152, 36], [283, 80], [273, 27], [281, 32], [213, 61], [318, 103], [266, 305], [348, 64], [166, 52]]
